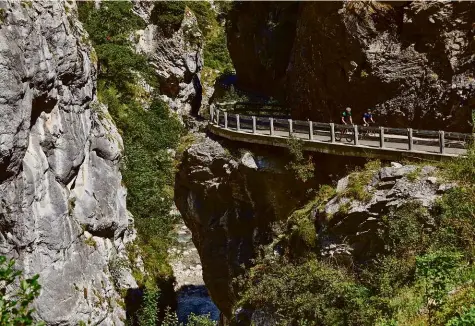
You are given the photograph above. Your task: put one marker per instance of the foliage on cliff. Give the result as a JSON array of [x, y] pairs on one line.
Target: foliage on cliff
[[148, 135], [17, 294], [168, 15], [424, 275]]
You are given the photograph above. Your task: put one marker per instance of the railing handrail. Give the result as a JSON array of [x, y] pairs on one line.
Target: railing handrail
[[331, 129]]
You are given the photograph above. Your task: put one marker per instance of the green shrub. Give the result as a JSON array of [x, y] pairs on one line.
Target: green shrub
[[167, 15], [147, 315], [455, 305], [302, 167], [312, 291], [111, 23], [462, 168], [216, 54], [359, 180], [203, 320], [147, 167], [457, 221], [405, 230], [16, 295], [438, 273], [467, 318]]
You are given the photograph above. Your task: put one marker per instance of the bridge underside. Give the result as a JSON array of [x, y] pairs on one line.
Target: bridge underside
[[328, 147]]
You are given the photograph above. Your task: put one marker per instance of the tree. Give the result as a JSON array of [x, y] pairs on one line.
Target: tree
[[17, 295]]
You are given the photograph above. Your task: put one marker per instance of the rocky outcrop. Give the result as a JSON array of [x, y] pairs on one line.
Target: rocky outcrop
[[229, 204], [62, 211], [176, 59], [350, 228], [411, 61]]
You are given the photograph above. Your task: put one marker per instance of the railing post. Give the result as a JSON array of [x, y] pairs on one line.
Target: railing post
[[225, 119], [381, 137], [442, 141], [291, 130], [238, 127], [332, 132], [217, 118], [410, 141], [211, 113], [310, 130], [254, 128], [271, 125], [355, 133]]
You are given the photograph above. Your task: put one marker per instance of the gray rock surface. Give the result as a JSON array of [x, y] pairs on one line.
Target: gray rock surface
[[62, 211], [352, 225], [177, 61], [230, 204]]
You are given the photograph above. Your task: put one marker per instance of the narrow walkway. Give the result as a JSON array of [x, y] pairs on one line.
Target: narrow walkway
[[372, 142]]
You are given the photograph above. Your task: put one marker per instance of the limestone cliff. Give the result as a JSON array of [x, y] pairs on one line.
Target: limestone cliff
[[177, 59], [62, 211], [411, 61]]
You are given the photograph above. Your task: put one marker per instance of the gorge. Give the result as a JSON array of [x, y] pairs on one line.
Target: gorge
[[129, 211]]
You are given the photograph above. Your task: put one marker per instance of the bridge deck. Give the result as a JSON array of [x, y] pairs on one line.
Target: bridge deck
[[384, 143]]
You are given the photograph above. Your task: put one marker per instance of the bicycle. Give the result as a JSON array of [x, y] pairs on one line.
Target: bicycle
[[366, 133], [347, 133]]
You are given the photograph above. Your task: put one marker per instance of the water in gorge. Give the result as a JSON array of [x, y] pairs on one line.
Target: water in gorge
[[191, 292]]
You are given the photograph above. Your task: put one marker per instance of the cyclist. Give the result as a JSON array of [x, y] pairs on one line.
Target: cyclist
[[346, 116], [367, 118]]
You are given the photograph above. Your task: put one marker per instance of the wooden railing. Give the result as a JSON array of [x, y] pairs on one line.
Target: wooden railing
[[351, 135]]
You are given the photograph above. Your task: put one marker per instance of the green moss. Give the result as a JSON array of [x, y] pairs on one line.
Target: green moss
[[345, 208], [303, 235], [2, 15], [26, 4], [90, 242], [358, 182], [415, 174]]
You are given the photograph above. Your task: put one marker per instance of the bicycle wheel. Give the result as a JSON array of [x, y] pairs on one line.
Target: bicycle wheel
[[338, 136], [349, 136]]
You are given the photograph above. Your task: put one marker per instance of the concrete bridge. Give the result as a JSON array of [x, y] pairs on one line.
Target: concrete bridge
[[370, 142]]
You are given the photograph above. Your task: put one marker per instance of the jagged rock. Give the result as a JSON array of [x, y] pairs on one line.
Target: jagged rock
[[393, 173], [412, 61], [62, 211], [248, 161], [342, 184], [356, 223], [177, 61], [229, 204]]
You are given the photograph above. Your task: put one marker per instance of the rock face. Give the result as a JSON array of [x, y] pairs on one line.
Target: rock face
[[349, 227], [62, 211], [177, 60], [229, 204], [411, 61]]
